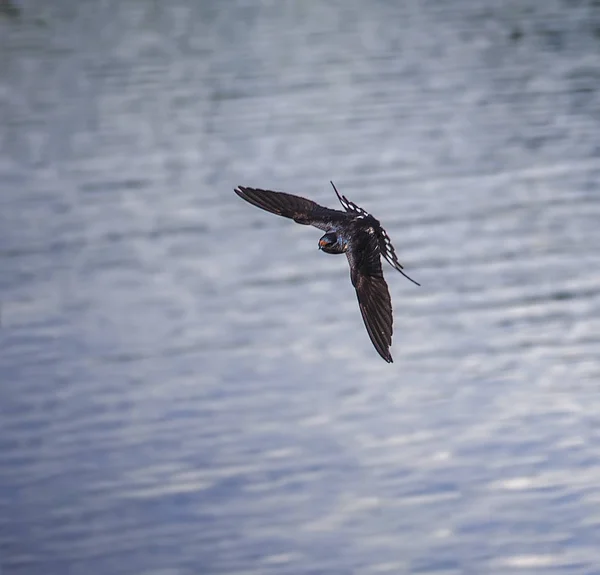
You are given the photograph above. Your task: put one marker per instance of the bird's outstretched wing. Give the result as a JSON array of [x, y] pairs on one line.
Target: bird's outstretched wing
[[372, 291], [301, 210]]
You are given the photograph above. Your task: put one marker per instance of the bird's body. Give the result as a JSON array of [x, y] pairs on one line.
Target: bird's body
[[353, 232]]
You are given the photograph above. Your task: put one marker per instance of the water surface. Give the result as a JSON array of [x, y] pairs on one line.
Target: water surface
[[185, 382]]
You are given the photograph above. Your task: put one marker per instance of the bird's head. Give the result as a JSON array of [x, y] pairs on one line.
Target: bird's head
[[330, 243]]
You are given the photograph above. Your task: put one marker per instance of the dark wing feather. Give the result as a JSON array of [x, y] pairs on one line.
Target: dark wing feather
[[348, 205], [372, 291], [301, 210]]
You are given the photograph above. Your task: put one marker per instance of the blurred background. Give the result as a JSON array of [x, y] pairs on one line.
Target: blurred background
[[186, 385]]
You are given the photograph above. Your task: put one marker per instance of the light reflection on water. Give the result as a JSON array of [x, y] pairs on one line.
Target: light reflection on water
[[186, 384]]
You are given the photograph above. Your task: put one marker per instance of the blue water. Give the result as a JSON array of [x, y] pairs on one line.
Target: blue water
[[186, 386]]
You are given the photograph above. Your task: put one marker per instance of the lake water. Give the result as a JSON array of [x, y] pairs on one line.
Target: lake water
[[186, 385]]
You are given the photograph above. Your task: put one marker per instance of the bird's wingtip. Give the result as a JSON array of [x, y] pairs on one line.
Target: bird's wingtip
[[337, 193]]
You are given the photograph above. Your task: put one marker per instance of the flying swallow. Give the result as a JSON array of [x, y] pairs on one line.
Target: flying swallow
[[360, 236]]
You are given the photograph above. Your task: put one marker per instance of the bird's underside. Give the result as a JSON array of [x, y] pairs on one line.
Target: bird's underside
[[361, 237]]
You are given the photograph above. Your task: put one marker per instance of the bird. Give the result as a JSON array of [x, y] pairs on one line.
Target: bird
[[360, 236]]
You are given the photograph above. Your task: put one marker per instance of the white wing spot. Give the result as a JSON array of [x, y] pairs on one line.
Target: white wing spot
[[352, 207]]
